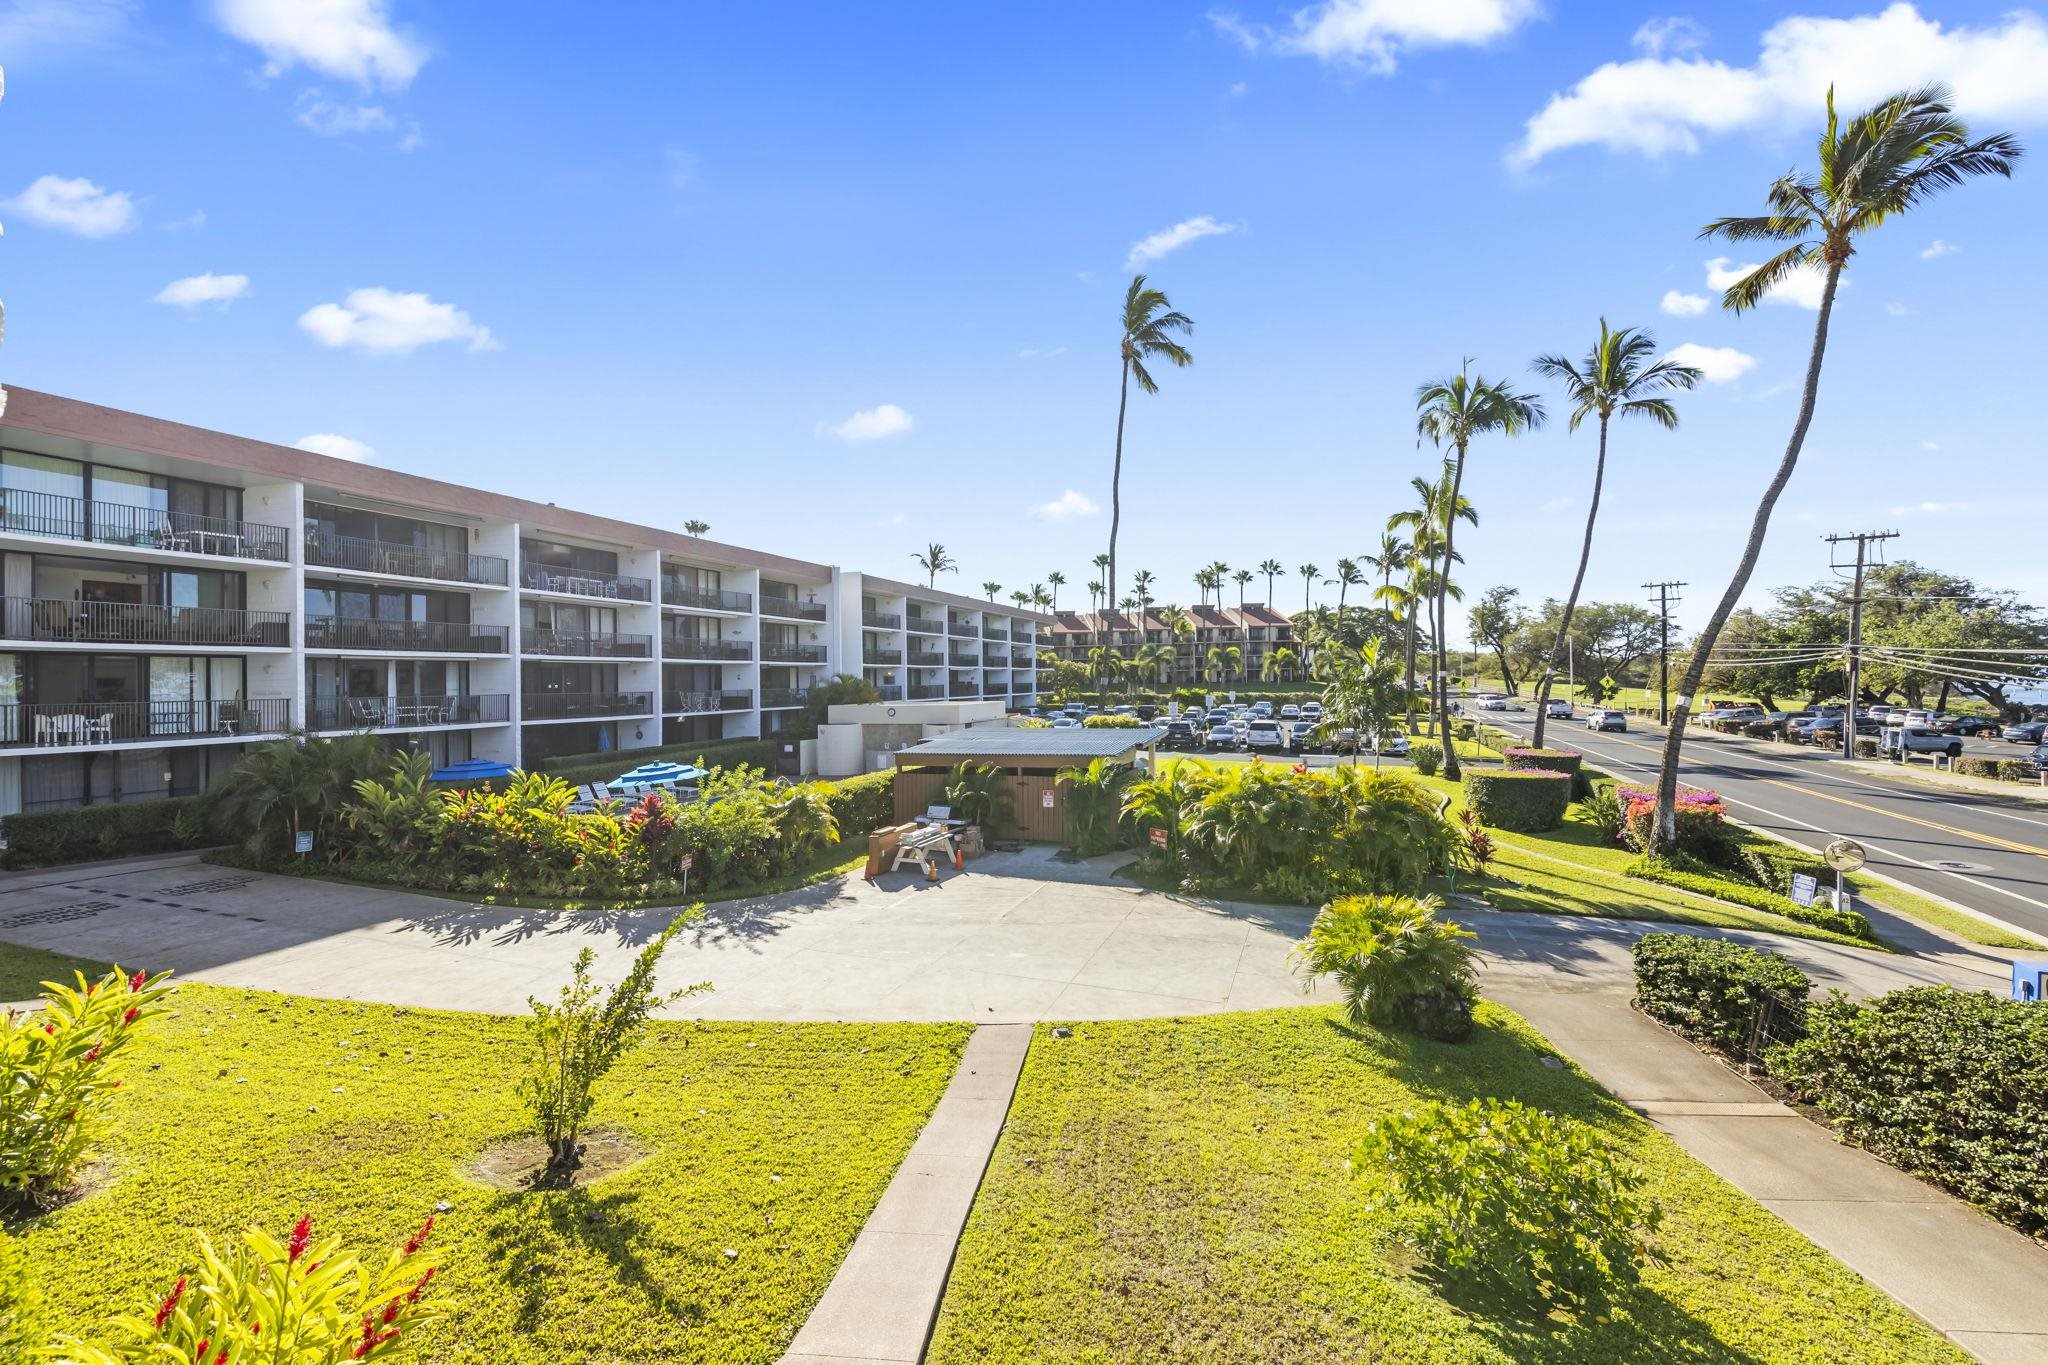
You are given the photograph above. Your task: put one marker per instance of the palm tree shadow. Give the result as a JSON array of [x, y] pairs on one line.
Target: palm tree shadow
[[527, 1233]]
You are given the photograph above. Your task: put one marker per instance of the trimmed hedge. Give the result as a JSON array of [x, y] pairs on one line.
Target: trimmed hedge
[[1567, 761], [1710, 989], [1950, 1085], [602, 767], [1848, 922], [80, 834], [863, 804], [1523, 801], [1999, 769]]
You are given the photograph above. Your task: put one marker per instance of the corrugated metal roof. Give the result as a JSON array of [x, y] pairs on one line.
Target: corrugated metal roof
[[1007, 741]]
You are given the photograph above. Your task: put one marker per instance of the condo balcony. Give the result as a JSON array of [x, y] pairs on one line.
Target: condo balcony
[[52, 620], [408, 712], [691, 702], [881, 656], [697, 647], [677, 591], [49, 725], [789, 608], [881, 620], [403, 637], [584, 705], [792, 654], [585, 644], [29, 513], [926, 691], [585, 583], [776, 697], [388, 557], [926, 658], [925, 625]]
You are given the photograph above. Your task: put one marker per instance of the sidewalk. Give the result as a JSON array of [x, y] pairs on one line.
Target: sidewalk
[[1982, 1285]]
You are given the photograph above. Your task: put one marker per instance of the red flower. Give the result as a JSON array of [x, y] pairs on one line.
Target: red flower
[[199, 1351], [50, 1029], [94, 1054], [135, 982], [418, 1239], [413, 1295], [170, 1304], [302, 1233], [391, 1312], [221, 1358], [129, 1017]]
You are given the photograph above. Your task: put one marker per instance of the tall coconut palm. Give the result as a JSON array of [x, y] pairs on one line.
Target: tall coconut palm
[[1241, 577], [1179, 626], [1223, 662], [1281, 663], [1884, 161], [1272, 569], [1308, 574], [1142, 583], [1020, 597], [935, 561], [1348, 577], [1454, 411], [1094, 593], [1150, 326], [1056, 580], [1424, 523], [991, 587], [1617, 378], [1391, 559], [1149, 663]]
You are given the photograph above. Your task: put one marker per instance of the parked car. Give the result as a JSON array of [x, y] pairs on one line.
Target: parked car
[[2026, 732], [1290, 712], [1909, 738], [1147, 711], [1263, 710], [1732, 717], [1828, 729], [1312, 710], [1607, 718], [1262, 733], [1180, 734], [1557, 708], [1217, 717], [2039, 758], [1393, 744], [1224, 735], [1306, 737], [1125, 710], [1344, 742], [1967, 726], [1066, 723]]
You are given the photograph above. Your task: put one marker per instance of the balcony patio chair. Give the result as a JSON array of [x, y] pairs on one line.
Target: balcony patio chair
[[99, 729]]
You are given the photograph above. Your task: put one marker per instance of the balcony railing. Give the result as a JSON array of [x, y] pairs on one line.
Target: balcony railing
[[925, 658], [586, 583], [408, 712], [926, 625], [967, 661], [384, 556], [966, 690], [792, 654], [403, 637], [1022, 658], [772, 605], [926, 691], [994, 633], [959, 627], [881, 656], [681, 592], [585, 644], [46, 724], [698, 647], [584, 705], [772, 697], [673, 701], [995, 658], [114, 523], [55, 619], [889, 693], [881, 620]]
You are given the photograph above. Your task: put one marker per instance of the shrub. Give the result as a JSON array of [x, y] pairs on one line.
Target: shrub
[[21, 1301], [1426, 758], [1712, 990], [1706, 883], [81, 833], [1111, 723], [1522, 800], [1950, 1085], [1477, 840], [1605, 811], [864, 803], [577, 769], [1543, 760], [294, 785], [1999, 769], [980, 794], [1866, 748], [1702, 824], [1094, 800], [1396, 963], [1516, 1197], [58, 1074], [577, 1040], [307, 1302]]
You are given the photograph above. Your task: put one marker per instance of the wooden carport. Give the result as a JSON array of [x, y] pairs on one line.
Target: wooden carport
[[1032, 757]]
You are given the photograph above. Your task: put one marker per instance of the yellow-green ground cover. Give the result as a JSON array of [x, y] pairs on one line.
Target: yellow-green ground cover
[[1176, 1190]]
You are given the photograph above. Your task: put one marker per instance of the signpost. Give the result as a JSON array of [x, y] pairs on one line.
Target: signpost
[[1843, 855], [684, 863], [1803, 887], [302, 842], [1158, 837]]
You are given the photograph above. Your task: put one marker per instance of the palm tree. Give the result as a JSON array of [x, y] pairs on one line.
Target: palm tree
[[1149, 325], [1141, 587], [1392, 558], [1177, 624], [1424, 523], [1271, 569], [695, 527], [1348, 577], [991, 587], [1058, 580], [1279, 664], [1101, 563], [1223, 662], [1020, 597], [1453, 411], [1618, 378], [1241, 577], [935, 561], [1886, 160], [1038, 596], [1094, 593], [1105, 665], [1205, 579], [1308, 574], [1150, 663]]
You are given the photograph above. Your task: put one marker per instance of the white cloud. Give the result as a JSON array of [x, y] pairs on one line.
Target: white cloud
[[1681, 305], [1929, 509], [350, 39], [1930, 445], [1557, 504], [1237, 88], [1376, 33], [871, 424], [48, 25], [194, 290], [1176, 237], [1040, 352], [1066, 506], [1674, 35], [1657, 105], [340, 447], [1717, 364], [1898, 310], [1937, 248], [329, 119], [75, 205], [1802, 288], [191, 222], [390, 323]]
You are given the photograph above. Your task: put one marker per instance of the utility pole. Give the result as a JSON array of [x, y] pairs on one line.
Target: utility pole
[[1863, 541], [1664, 603]]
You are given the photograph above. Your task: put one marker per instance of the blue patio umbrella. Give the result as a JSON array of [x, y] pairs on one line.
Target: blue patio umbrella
[[472, 770], [656, 774]]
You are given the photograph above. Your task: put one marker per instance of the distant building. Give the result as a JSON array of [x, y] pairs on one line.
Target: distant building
[[1255, 630]]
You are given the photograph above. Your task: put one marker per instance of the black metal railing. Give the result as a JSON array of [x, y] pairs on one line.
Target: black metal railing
[[792, 654], [49, 724], [1022, 658], [995, 658], [411, 561], [586, 583], [403, 637], [881, 620], [966, 661], [772, 605], [889, 693], [881, 656], [585, 644], [408, 712], [781, 696], [926, 625], [681, 592], [54, 619], [584, 705], [698, 647], [994, 633], [672, 700], [26, 512], [954, 627], [966, 690], [926, 691], [924, 658]]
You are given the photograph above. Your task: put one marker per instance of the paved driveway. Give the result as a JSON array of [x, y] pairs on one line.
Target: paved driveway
[[1015, 937]]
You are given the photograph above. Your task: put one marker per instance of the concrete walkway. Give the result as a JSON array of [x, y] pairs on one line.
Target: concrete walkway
[[881, 1304], [1978, 1282]]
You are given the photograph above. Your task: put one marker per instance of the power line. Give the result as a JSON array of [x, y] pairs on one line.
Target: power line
[[1664, 601], [1863, 541]]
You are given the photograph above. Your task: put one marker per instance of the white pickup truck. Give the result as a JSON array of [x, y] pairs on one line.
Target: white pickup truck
[[1913, 738]]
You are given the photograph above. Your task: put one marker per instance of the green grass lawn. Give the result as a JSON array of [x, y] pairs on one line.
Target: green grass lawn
[[23, 970], [771, 1141], [1175, 1190]]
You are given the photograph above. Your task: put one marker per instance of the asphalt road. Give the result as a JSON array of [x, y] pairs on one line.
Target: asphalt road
[[1987, 853]]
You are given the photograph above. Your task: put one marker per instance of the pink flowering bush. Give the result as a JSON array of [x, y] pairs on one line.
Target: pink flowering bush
[[1701, 818]]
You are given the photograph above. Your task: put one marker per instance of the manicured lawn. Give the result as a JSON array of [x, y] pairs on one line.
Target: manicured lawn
[[769, 1141], [1175, 1190], [23, 970]]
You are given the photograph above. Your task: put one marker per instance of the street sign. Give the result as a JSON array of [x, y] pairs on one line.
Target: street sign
[[1607, 683], [302, 842], [1045, 798], [1804, 884], [1844, 855], [687, 861], [1158, 838]]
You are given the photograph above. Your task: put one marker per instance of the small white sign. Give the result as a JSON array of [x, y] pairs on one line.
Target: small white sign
[[687, 861], [1803, 888], [302, 842], [1045, 798]]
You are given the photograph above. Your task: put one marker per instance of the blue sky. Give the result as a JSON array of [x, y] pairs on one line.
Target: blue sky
[[844, 279]]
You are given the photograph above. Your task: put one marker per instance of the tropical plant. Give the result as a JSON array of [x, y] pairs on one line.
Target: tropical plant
[[1019, 598], [695, 527], [400, 815], [1165, 801], [1150, 663], [1241, 577], [1038, 596], [1885, 161], [935, 561], [1150, 331], [991, 587], [1056, 580], [1094, 594], [1516, 1197], [1395, 962], [293, 785], [1425, 757], [1454, 411], [1223, 662], [1618, 378], [980, 794], [1308, 574], [1277, 664], [1179, 626], [580, 1037], [295, 1302], [1272, 569], [1094, 801], [58, 1073], [1361, 693], [1348, 577]]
